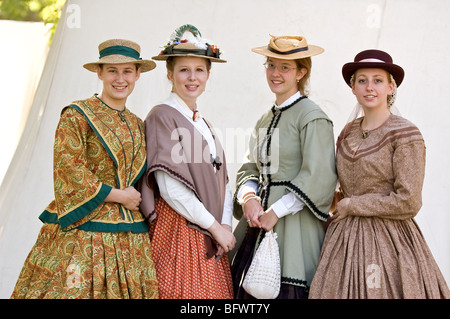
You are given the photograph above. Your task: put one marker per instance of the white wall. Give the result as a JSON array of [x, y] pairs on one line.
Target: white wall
[[414, 32]]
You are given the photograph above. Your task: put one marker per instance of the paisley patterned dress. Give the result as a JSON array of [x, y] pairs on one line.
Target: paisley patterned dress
[[89, 248]]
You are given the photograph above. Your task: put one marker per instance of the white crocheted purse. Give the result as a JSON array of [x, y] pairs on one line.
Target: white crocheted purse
[[263, 278]]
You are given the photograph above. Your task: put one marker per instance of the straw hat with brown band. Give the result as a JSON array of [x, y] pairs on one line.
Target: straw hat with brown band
[[117, 51], [194, 46], [288, 48]]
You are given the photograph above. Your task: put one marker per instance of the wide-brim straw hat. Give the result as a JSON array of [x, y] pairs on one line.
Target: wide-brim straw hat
[[373, 59], [118, 51], [195, 46], [288, 48]]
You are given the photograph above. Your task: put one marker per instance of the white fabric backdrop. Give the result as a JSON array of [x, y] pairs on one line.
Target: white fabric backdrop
[[25, 48], [415, 33]]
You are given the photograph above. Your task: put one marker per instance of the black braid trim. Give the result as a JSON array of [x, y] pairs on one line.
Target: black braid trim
[[290, 105], [304, 197], [295, 281], [172, 172]]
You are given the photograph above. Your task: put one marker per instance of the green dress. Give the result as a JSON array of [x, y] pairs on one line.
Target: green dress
[[89, 248], [291, 150]]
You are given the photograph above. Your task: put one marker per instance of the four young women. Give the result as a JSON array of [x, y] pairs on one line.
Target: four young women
[[95, 243]]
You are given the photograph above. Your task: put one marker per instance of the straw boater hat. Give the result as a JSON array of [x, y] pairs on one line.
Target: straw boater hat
[[373, 59], [192, 45], [288, 48], [116, 51]]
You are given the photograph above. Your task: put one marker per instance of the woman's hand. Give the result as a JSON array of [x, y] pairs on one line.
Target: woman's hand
[[132, 198], [268, 220], [252, 210], [223, 236], [220, 250], [129, 197], [341, 211]]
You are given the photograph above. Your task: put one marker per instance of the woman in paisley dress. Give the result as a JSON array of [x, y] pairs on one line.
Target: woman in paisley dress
[[94, 242], [373, 247], [287, 180]]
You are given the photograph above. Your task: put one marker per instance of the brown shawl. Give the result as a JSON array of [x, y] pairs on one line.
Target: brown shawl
[[176, 147]]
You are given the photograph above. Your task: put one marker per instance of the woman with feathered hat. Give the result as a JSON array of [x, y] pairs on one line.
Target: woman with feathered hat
[[185, 191], [373, 247], [94, 242], [287, 180]]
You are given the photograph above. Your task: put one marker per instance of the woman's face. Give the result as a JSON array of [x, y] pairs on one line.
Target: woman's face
[[282, 77], [189, 77], [118, 83], [372, 87]]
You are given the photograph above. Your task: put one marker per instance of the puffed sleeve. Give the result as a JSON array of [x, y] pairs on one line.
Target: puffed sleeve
[[405, 200], [227, 216]]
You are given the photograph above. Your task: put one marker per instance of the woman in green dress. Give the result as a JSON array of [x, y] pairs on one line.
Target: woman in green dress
[[94, 242], [288, 179]]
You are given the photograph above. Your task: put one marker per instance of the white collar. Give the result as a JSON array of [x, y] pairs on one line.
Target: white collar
[[175, 101], [294, 97], [178, 104]]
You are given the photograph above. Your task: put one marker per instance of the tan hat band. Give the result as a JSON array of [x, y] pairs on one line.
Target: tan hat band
[[287, 52], [122, 50]]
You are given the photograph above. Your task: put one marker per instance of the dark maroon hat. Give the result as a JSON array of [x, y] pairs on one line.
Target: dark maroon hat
[[373, 59]]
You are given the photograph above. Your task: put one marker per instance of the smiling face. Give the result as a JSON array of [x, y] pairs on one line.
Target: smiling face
[[282, 77], [118, 83], [189, 76], [372, 88]]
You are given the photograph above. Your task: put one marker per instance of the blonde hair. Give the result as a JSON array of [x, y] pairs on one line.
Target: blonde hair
[[390, 98], [170, 63]]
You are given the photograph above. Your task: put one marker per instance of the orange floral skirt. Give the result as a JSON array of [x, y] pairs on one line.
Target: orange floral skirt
[[182, 269]]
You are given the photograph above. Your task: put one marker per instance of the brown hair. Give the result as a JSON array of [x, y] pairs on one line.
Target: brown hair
[[304, 63], [138, 66]]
